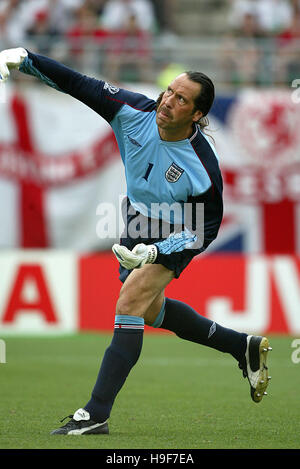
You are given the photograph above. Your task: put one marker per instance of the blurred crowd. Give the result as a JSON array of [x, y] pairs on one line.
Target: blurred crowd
[[124, 31], [20, 18], [258, 30], [123, 28]]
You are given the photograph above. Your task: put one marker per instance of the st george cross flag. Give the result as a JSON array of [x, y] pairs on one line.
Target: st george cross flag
[[258, 140], [59, 160], [57, 163]]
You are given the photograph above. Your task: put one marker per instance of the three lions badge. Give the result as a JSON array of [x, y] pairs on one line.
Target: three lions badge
[[173, 173]]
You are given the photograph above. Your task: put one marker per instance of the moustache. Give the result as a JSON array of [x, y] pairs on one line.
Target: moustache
[[165, 110]]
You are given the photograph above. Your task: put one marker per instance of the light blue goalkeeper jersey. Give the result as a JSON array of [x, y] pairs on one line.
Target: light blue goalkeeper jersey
[[158, 173]]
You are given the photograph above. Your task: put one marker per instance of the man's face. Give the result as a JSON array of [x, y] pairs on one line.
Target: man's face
[[175, 113]]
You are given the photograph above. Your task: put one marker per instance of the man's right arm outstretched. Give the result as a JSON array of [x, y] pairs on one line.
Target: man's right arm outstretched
[[100, 96], [58, 76]]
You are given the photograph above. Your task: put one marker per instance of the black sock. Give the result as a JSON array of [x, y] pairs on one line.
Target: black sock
[[187, 324], [118, 360]]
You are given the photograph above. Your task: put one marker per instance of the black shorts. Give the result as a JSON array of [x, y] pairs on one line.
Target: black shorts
[[176, 261]]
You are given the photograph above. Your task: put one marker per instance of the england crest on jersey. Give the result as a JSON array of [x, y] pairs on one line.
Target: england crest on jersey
[[173, 173]]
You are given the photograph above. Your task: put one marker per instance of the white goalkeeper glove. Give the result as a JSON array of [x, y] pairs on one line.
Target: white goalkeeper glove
[[10, 58], [137, 258]]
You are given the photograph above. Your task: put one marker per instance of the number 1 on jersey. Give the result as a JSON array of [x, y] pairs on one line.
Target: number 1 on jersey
[[150, 166]]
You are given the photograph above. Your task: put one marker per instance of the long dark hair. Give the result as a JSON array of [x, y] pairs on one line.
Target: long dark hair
[[205, 98]]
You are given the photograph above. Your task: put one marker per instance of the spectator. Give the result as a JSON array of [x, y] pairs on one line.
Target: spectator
[[130, 23], [241, 56], [41, 27], [164, 16], [272, 15], [296, 6], [85, 38], [52, 19], [62, 14], [96, 5], [117, 14], [17, 17], [288, 52], [129, 47]]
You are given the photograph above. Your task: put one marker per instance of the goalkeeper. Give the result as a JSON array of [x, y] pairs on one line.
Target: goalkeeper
[[167, 158]]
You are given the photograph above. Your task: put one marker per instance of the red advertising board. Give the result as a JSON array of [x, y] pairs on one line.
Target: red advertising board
[[62, 292], [254, 293]]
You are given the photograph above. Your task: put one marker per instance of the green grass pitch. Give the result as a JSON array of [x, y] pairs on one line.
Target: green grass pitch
[[179, 396]]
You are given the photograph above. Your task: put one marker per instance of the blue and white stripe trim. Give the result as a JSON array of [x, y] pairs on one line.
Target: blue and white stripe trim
[[176, 242], [160, 317], [129, 322]]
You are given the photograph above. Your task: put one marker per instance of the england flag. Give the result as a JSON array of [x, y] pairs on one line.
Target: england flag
[[59, 160], [258, 140]]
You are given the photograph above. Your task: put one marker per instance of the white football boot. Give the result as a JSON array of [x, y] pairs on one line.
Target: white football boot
[[81, 424], [254, 366]]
